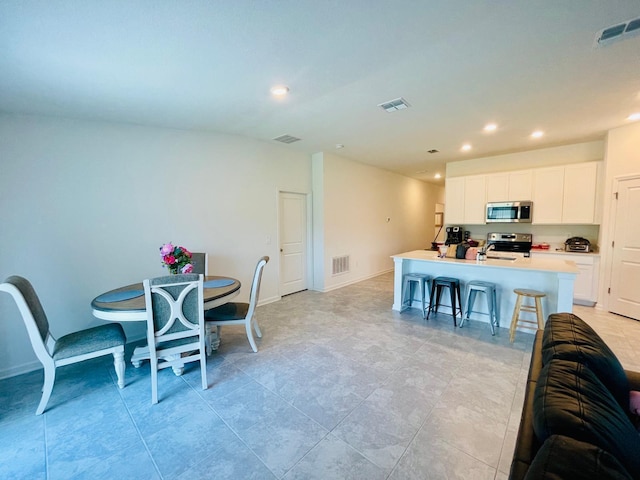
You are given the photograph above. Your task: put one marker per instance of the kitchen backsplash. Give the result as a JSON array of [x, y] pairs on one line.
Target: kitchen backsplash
[[554, 235]]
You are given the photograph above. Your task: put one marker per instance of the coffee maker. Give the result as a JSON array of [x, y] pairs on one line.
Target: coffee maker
[[454, 235]]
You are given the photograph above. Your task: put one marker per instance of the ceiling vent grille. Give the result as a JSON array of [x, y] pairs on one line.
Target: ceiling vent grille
[[393, 105], [615, 33], [286, 139]]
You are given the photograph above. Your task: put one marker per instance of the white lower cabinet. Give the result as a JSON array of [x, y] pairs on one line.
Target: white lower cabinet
[[585, 289]]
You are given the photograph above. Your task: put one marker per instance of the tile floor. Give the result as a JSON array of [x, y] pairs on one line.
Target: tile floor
[[342, 387]]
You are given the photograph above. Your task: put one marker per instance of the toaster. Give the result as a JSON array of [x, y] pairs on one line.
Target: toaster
[[577, 244]]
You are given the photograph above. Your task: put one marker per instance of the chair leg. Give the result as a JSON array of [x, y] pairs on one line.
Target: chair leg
[[47, 388], [490, 307], [539, 316], [256, 327], [514, 319], [250, 336], [495, 308], [452, 293], [154, 381], [431, 298], [119, 365], [203, 369]]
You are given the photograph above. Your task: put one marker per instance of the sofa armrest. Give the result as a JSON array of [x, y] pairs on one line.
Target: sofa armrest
[[527, 444], [634, 379]]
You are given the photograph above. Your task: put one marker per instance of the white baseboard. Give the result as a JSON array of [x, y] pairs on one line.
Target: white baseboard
[[355, 280], [20, 369]]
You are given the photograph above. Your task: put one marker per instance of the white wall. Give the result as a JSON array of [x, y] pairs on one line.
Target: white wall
[[358, 200], [86, 205], [622, 159]]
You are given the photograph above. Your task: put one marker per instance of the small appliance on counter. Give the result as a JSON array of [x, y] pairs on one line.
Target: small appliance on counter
[[577, 244], [454, 235]]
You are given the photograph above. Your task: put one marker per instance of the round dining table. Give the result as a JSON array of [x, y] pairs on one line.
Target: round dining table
[[127, 304]]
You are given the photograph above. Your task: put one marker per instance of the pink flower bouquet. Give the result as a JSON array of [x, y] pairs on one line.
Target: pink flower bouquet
[[176, 259]]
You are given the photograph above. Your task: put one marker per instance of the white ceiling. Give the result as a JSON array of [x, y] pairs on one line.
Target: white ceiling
[[210, 64]]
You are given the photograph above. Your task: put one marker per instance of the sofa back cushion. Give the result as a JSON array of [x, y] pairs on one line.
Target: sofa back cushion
[[570, 400], [563, 457], [568, 337]]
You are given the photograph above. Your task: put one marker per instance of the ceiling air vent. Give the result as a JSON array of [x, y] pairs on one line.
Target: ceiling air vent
[[393, 105], [286, 139], [614, 33]]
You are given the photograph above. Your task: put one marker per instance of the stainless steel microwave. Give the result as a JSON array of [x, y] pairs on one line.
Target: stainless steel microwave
[[509, 212]]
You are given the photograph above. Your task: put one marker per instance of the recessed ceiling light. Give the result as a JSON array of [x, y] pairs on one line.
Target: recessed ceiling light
[[634, 116], [537, 134], [279, 90], [339, 146], [466, 147], [490, 127], [437, 175]]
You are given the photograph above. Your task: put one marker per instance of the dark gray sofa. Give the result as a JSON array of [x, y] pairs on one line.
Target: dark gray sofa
[[575, 421]]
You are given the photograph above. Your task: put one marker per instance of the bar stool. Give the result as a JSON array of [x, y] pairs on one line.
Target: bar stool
[[516, 321], [409, 281], [489, 289], [437, 284]]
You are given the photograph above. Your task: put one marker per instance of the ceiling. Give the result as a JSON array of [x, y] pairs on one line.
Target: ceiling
[[209, 65]]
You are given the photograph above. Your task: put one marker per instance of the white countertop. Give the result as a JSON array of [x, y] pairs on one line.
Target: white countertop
[[551, 264], [563, 252]]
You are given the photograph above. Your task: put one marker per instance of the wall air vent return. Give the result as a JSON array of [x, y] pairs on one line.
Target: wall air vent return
[[340, 264], [393, 105], [286, 139], [615, 33]]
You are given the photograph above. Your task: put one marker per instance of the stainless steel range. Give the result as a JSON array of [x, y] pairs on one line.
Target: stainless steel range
[[509, 244]]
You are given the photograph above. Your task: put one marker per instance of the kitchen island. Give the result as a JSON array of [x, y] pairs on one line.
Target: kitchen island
[[553, 276]]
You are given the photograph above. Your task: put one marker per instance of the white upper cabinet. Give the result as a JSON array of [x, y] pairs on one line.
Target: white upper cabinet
[[580, 190], [474, 200], [560, 194], [497, 187], [548, 194], [509, 186], [566, 194], [454, 201], [520, 185]]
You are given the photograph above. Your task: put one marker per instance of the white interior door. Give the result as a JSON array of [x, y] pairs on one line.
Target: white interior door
[[624, 296], [293, 242]]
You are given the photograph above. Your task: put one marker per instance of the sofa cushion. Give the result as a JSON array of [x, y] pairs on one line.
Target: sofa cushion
[[563, 457], [570, 400], [568, 337]]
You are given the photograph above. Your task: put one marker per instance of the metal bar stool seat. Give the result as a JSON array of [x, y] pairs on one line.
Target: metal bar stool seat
[[516, 321], [409, 282], [453, 284], [489, 289]]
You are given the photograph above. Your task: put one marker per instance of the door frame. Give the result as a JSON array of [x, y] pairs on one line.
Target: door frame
[[606, 264], [308, 232]]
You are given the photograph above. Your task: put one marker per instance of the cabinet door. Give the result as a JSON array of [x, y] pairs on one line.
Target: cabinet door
[[474, 200], [498, 187], [579, 202], [548, 187], [582, 286], [454, 201], [520, 185]]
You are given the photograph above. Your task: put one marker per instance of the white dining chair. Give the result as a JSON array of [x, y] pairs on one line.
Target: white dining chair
[[233, 313], [72, 348], [175, 324]]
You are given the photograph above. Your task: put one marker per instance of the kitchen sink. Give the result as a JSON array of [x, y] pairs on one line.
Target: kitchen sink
[[493, 257]]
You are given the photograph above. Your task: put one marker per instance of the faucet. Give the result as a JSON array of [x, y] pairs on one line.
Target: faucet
[[491, 246], [482, 254]]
